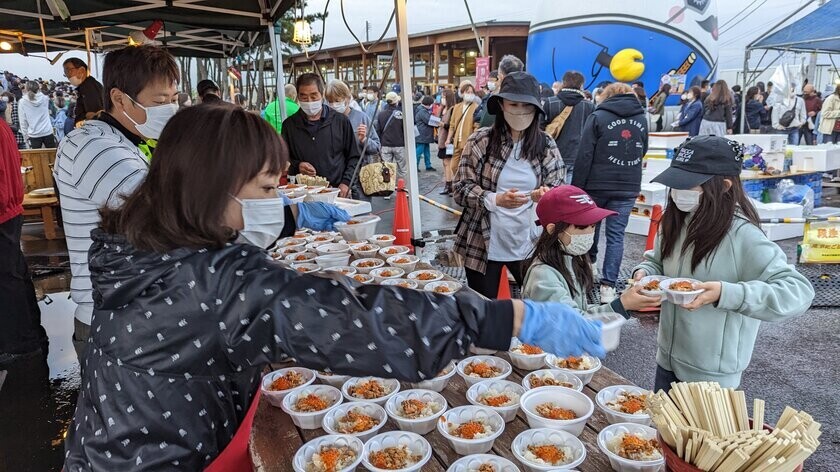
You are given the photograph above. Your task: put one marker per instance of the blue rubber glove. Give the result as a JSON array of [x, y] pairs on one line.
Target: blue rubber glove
[[559, 329], [286, 200], [320, 216]]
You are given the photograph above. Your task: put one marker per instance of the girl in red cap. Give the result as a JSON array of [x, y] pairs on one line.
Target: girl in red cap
[[558, 269]]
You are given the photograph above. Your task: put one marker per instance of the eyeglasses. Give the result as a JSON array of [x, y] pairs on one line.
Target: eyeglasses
[[68, 72]]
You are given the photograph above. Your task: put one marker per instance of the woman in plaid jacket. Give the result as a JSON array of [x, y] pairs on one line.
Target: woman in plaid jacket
[[504, 171]]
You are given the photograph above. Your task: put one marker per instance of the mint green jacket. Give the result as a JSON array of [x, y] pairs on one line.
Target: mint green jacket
[[544, 283], [715, 342]]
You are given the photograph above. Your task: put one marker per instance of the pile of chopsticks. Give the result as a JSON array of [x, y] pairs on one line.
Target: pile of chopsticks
[[709, 427]]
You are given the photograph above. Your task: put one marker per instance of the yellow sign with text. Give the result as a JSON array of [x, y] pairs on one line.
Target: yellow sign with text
[[821, 244]]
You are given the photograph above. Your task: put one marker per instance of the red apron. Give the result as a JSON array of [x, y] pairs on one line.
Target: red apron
[[236, 457]]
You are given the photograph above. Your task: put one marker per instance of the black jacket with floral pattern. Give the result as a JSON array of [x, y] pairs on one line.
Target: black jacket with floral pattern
[[179, 340]]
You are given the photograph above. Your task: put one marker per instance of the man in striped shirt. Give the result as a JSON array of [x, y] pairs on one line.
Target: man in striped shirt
[[101, 162]]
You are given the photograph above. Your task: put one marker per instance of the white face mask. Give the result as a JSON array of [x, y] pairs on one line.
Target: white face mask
[[5, 99], [684, 96], [519, 121], [579, 243], [468, 97], [311, 108], [491, 86], [74, 81], [362, 95], [264, 220], [371, 97], [555, 90], [156, 118], [686, 200], [339, 107]]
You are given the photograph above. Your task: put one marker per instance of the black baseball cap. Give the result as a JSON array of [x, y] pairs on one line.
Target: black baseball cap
[[699, 159], [205, 85]]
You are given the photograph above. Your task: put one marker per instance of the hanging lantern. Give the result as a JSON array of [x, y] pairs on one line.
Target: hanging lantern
[[303, 32]]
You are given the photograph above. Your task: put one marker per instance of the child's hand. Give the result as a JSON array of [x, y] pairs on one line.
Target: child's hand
[[711, 295], [633, 300]]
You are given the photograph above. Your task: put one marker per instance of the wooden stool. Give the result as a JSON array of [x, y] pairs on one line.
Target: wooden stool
[[42, 207]]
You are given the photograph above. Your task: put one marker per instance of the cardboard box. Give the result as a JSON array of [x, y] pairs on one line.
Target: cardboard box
[[768, 142]]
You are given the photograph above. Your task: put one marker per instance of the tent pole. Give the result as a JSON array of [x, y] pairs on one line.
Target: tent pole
[[410, 152], [744, 97], [280, 79]]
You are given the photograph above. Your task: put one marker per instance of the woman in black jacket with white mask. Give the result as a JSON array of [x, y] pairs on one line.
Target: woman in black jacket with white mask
[[609, 168], [186, 318]]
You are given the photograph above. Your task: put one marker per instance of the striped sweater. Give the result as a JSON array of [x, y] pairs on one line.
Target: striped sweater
[[96, 165]]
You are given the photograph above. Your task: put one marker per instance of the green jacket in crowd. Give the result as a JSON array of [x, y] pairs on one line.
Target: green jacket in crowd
[[715, 342], [272, 113], [544, 283]]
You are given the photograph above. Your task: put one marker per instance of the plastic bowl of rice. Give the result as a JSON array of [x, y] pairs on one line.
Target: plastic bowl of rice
[[482, 463], [398, 451], [557, 408], [552, 378], [631, 447], [584, 367], [277, 384], [624, 404], [440, 381], [360, 419], [526, 356], [501, 396], [471, 429], [476, 369], [416, 410], [308, 405], [546, 449], [370, 389], [331, 453]]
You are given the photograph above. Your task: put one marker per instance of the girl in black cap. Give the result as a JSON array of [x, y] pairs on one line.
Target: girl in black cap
[[710, 232], [503, 172]]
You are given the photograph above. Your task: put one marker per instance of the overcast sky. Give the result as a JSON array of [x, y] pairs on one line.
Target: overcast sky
[[426, 15]]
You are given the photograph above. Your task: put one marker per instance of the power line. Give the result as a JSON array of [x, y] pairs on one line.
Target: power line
[[745, 17], [738, 14]]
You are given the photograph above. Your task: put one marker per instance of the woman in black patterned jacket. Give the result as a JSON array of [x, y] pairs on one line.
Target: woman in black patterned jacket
[[186, 317]]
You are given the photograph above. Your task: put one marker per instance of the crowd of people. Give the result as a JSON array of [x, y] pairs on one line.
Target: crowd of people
[[168, 210]]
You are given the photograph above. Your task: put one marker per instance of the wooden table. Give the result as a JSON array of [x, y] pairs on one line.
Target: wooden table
[[275, 439]]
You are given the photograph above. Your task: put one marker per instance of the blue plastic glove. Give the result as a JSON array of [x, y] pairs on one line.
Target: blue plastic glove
[[320, 216], [559, 329], [286, 200]]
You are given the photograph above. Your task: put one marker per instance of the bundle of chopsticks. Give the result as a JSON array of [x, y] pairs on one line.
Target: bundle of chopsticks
[[709, 427]]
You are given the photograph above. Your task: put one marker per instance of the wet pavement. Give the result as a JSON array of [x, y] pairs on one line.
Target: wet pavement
[[795, 362]]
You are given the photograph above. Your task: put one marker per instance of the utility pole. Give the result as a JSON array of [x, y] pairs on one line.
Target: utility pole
[[367, 31]]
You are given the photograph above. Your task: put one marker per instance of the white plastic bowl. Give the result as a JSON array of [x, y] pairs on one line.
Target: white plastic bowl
[[392, 383], [438, 384], [464, 414], [383, 240], [364, 279], [287, 251], [525, 361], [609, 394], [450, 287], [422, 283], [333, 248], [585, 376], [332, 260], [309, 258], [652, 293], [334, 380], [388, 251], [423, 425], [406, 266], [330, 422], [326, 197], [366, 270], [306, 268], [562, 397], [311, 420], [360, 253], [363, 229], [558, 374], [611, 324], [679, 298], [313, 246], [304, 455], [346, 271], [503, 387], [323, 238], [499, 363], [409, 283], [472, 462], [620, 464], [385, 273], [275, 397], [547, 436], [415, 443], [287, 243]]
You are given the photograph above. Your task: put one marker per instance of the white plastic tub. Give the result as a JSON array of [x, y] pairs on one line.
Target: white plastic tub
[[312, 419], [364, 266], [620, 464], [330, 422], [557, 374], [363, 228], [391, 384], [585, 376], [502, 365], [541, 436], [415, 443], [678, 297], [275, 397], [304, 455], [464, 414], [423, 425], [502, 387], [609, 394], [610, 328], [561, 397], [525, 361]]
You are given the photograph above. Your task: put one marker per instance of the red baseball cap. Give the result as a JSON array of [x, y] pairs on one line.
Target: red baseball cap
[[569, 204]]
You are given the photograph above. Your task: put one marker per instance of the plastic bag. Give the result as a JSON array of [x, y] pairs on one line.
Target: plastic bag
[[787, 191]]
